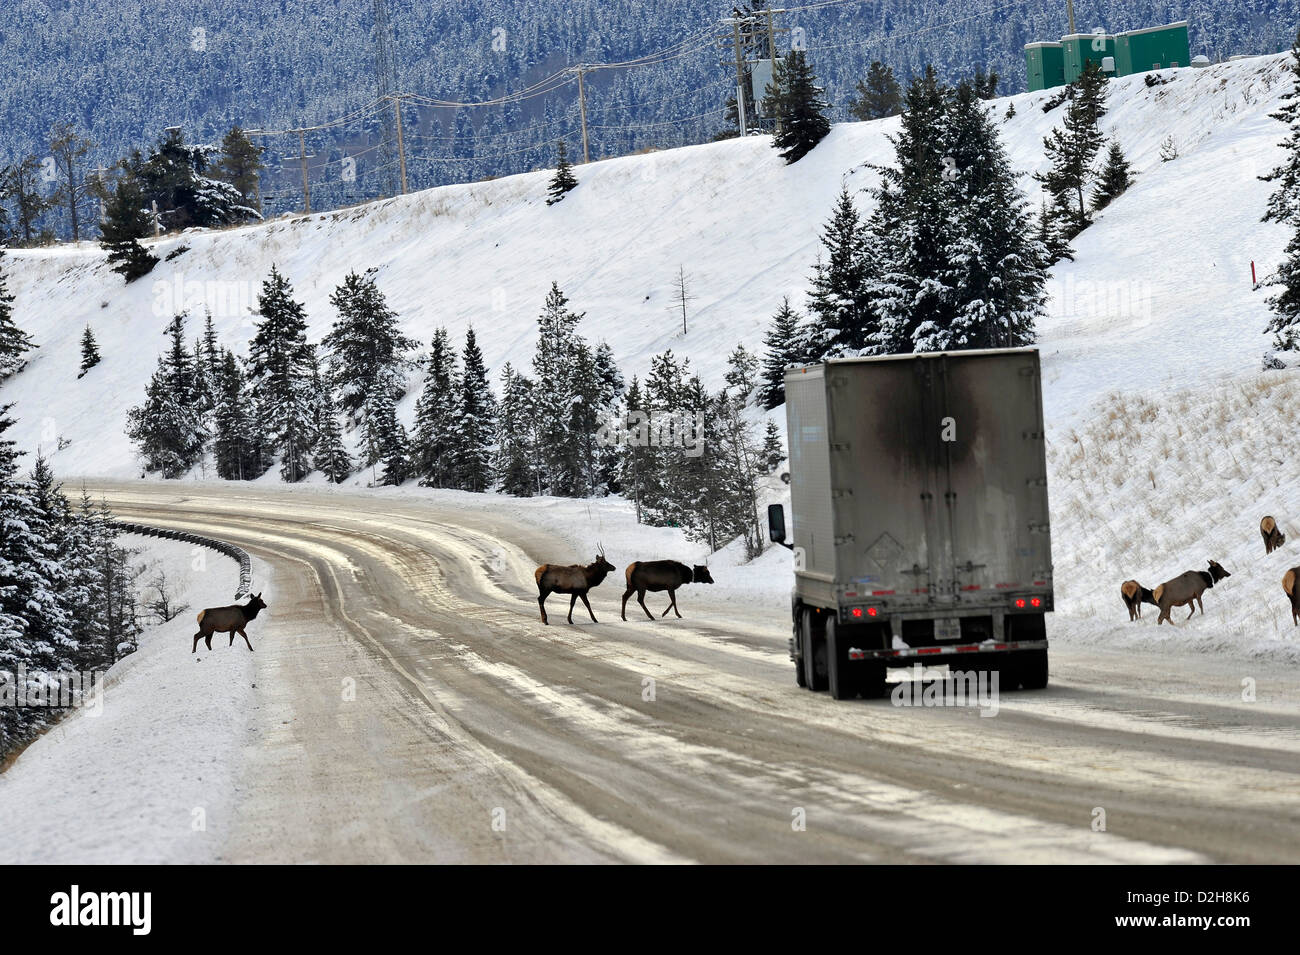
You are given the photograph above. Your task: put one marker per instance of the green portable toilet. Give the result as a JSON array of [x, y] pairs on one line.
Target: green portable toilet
[[1044, 65], [1083, 49], [1155, 48]]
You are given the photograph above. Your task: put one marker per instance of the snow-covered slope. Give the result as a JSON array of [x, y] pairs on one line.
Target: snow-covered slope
[[1160, 291]]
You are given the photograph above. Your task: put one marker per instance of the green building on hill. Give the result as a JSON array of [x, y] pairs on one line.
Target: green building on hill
[[1050, 64]]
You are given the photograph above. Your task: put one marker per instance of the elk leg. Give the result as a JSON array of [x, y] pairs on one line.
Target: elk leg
[[541, 602], [627, 593], [232, 639], [199, 636], [588, 606], [208, 640], [245, 636], [672, 604], [640, 598], [573, 599], [1200, 606], [1191, 603]]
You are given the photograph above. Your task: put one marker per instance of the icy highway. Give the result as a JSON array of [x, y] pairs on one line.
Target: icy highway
[[413, 708]]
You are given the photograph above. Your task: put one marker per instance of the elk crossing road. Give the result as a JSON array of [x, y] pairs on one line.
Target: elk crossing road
[[478, 733]]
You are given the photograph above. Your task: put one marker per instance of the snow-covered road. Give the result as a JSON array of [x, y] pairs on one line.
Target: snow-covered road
[[410, 706]]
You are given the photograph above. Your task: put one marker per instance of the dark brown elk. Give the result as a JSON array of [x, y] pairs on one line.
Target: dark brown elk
[[657, 575], [574, 579], [1272, 534], [1185, 590], [1293, 592], [1135, 595], [231, 620]]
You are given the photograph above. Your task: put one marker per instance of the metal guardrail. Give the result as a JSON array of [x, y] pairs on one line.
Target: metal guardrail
[[221, 547]]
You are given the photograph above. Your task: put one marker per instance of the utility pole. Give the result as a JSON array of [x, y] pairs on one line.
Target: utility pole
[[1069, 10], [740, 76], [582, 108], [306, 185], [401, 148], [771, 52]]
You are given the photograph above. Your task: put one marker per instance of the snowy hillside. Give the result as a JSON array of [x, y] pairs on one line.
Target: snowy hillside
[[1159, 294]]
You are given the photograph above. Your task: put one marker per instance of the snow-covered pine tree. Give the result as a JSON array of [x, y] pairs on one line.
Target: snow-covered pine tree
[[127, 221], [169, 429], [1049, 237], [241, 165], [477, 425], [367, 351], [742, 373], [994, 276], [878, 96], [610, 388], [14, 342], [235, 442], [176, 177], [280, 376], [1284, 207], [635, 459], [1284, 203], [783, 345], [385, 440], [798, 104], [564, 180], [1114, 180], [1072, 151], [669, 399], [34, 630], [839, 301], [558, 344], [738, 465], [328, 452], [516, 451], [89, 351], [914, 222], [773, 447], [436, 413]]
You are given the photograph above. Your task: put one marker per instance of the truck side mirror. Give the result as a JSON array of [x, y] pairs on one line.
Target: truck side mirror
[[776, 524]]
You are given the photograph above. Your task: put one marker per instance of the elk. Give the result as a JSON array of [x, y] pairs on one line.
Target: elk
[[1185, 590], [1273, 536], [574, 579], [1134, 596], [1289, 587], [657, 575], [231, 620]]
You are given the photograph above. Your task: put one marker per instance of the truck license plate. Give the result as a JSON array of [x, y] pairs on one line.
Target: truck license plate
[[947, 629]]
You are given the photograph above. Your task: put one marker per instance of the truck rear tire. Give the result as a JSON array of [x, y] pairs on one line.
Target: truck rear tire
[[814, 653], [796, 651], [1032, 669], [839, 674]]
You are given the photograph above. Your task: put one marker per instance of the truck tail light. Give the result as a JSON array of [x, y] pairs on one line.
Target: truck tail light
[[1036, 601], [1020, 603]]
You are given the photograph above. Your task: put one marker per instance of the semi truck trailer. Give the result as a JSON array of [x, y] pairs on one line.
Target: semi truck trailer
[[920, 526]]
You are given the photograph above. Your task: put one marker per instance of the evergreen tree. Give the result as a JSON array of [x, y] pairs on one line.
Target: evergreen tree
[[516, 451], [385, 440], [126, 222], [1049, 237], [773, 448], [34, 629], [564, 180], [436, 416], [367, 350], [89, 351], [235, 447], [636, 458], [795, 99], [985, 85], [994, 273], [1285, 323], [176, 178], [609, 390], [742, 373], [879, 95], [839, 302], [1114, 180], [328, 453], [14, 342], [1072, 150], [168, 428], [280, 363], [914, 222], [564, 470], [783, 346], [20, 183], [476, 428], [68, 149], [241, 166], [1284, 203]]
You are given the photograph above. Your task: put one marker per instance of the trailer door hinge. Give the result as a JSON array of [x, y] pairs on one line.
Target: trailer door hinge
[[845, 539]]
